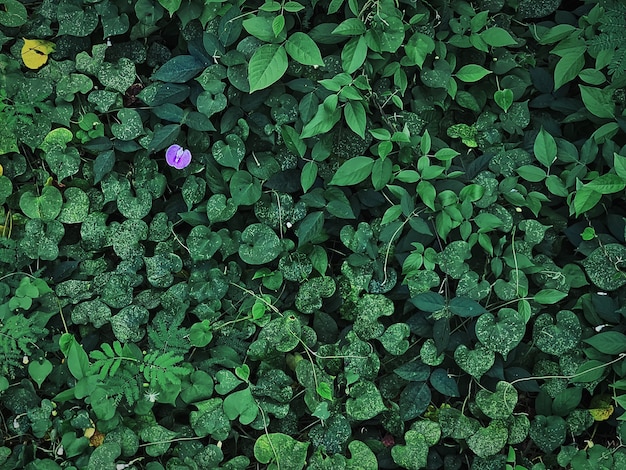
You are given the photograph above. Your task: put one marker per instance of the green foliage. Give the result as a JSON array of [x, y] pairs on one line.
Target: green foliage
[[399, 240]]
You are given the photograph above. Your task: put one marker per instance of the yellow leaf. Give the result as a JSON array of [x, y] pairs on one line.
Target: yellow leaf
[[601, 408], [35, 52]]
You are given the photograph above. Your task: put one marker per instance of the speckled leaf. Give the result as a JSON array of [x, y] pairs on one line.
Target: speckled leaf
[[159, 437], [76, 206], [414, 454], [134, 207], [220, 209], [95, 312], [370, 307], [332, 435], [161, 267], [394, 339], [295, 266], [605, 266], [548, 432], [127, 323], [560, 337], [63, 162], [210, 419], [365, 401], [490, 440], [311, 292], [118, 77], [203, 243], [130, 125], [498, 404], [474, 361], [503, 333], [451, 259], [41, 239], [229, 152], [194, 189], [285, 451]]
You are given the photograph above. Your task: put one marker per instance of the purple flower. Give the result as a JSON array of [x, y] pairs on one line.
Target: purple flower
[[177, 156]]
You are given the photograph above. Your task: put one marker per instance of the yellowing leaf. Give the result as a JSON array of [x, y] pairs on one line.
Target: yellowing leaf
[[601, 408], [35, 52], [601, 414]]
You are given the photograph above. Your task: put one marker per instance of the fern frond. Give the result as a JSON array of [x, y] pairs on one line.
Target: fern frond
[[163, 369], [618, 62], [168, 337]]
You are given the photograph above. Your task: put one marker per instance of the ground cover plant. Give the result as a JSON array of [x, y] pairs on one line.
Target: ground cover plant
[[345, 234]]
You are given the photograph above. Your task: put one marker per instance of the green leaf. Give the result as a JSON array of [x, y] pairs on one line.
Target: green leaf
[[557, 335], [549, 296], [605, 266], [608, 342], [498, 404], [497, 37], [267, 65], [354, 113], [353, 54], [504, 98], [245, 189], [444, 383], [179, 69], [353, 171], [364, 402], [285, 451], [548, 432], [475, 362], [308, 175], [418, 47], [39, 370], [607, 184], [545, 148], [502, 333], [260, 244], [589, 371], [229, 153], [585, 199], [466, 308], [45, 207], [350, 27], [322, 122], [303, 49], [172, 6], [311, 228], [13, 14], [598, 101], [531, 173], [472, 73], [241, 404], [568, 68]]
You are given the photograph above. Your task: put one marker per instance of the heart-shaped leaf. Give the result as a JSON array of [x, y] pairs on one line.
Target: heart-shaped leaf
[[260, 244], [365, 401], [39, 370], [560, 337], [118, 77], [229, 152], [490, 440], [503, 333], [414, 454], [45, 206], [474, 361], [498, 404]]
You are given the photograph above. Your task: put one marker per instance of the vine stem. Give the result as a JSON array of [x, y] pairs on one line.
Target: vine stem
[[524, 379]]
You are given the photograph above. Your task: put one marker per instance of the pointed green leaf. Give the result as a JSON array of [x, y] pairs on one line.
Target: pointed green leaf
[[267, 65]]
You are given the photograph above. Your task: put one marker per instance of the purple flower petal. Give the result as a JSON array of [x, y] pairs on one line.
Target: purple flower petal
[[177, 157]]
